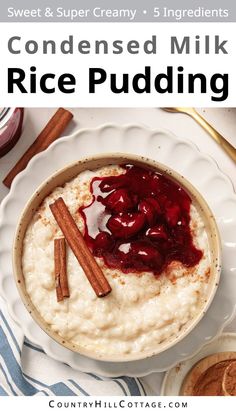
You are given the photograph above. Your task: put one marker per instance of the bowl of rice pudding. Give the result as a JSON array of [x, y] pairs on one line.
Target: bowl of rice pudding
[[117, 257]]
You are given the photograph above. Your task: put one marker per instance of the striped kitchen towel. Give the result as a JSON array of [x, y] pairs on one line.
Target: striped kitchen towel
[[26, 370]]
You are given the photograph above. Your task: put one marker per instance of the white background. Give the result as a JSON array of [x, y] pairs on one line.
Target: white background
[[78, 64], [223, 119], [165, 404]]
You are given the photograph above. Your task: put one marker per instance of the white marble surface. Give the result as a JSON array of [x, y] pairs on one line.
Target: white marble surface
[[224, 120]]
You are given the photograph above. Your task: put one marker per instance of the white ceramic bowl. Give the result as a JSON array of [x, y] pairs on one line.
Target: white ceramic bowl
[[68, 173]]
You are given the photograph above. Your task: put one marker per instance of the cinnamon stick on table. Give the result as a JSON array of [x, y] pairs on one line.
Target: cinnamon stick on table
[[62, 288], [49, 134], [80, 249]]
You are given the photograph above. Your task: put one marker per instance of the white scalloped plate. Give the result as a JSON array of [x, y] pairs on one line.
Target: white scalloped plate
[[161, 146]]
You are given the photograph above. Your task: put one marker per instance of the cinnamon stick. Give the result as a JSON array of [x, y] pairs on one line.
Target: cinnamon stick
[[49, 134], [80, 249], [57, 270], [62, 288]]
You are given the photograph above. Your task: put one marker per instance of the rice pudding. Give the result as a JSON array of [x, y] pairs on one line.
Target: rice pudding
[[159, 268]]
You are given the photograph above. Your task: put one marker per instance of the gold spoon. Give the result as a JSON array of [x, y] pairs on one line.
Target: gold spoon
[[228, 148]]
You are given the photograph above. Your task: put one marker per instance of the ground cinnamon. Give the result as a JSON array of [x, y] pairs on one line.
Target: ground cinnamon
[[210, 381], [49, 134], [229, 380]]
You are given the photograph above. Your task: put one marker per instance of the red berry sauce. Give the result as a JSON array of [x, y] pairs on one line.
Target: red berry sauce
[[139, 221]]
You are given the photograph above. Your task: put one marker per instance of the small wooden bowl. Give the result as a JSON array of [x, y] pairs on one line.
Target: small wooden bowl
[[187, 388], [68, 173]]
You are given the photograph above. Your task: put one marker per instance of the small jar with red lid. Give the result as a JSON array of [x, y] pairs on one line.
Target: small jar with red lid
[[11, 120]]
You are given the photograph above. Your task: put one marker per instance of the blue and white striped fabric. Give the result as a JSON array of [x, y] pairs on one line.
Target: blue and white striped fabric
[[26, 370]]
